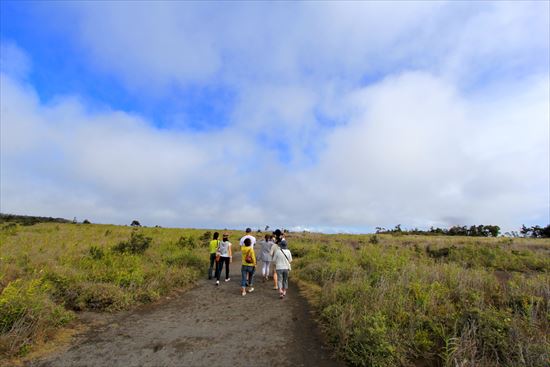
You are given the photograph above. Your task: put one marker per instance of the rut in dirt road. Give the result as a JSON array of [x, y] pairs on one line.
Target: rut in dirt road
[[207, 326]]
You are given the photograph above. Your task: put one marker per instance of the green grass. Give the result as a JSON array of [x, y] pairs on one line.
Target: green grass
[[429, 301], [51, 271], [381, 300]]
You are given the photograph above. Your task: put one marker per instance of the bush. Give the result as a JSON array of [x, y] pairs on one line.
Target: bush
[[188, 259], [96, 253], [10, 228], [186, 242], [27, 314], [137, 244]]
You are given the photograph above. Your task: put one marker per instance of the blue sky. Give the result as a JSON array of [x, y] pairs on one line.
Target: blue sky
[[326, 116]]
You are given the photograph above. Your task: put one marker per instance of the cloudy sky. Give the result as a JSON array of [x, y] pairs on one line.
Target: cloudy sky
[[321, 116]]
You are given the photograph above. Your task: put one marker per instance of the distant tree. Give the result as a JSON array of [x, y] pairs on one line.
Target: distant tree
[[493, 230], [266, 228], [135, 223], [535, 231], [86, 221]]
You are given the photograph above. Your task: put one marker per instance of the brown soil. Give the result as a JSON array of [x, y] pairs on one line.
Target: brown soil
[[206, 326]]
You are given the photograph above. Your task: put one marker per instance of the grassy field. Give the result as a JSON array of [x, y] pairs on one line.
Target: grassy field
[[381, 300], [429, 301], [50, 271]]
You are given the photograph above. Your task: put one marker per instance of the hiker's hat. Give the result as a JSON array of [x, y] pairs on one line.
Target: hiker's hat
[[248, 230], [277, 232]]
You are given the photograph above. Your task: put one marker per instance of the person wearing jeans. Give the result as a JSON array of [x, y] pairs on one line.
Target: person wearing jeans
[[248, 267], [282, 259]]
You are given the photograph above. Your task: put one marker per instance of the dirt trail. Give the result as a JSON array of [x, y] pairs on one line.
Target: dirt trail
[[206, 326]]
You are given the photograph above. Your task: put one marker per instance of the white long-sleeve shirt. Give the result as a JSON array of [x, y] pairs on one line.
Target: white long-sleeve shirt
[[280, 260]]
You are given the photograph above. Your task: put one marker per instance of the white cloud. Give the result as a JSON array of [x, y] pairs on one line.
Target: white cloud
[[419, 153], [419, 114], [13, 60]]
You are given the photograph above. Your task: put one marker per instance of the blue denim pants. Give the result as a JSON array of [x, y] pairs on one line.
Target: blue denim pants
[[247, 274], [282, 279]]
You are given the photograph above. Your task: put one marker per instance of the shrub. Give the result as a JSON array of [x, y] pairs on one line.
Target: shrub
[[10, 228], [186, 258], [96, 253], [186, 242], [103, 297], [137, 244], [27, 314], [206, 236]]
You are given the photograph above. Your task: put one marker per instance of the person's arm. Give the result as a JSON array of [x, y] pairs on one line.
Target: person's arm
[[230, 253], [289, 256]]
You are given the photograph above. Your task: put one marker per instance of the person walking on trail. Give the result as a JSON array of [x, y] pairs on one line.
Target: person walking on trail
[[277, 237], [248, 235], [226, 256], [282, 259], [265, 256], [248, 267], [213, 249]]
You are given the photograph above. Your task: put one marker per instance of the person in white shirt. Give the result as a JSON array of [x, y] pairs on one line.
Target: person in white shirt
[[226, 256], [248, 235], [282, 259]]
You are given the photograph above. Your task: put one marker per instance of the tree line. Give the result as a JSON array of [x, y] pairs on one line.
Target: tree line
[[481, 230]]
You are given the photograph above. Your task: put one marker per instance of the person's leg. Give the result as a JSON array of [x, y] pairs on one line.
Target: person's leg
[[280, 282], [275, 279], [285, 281], [212, 261], [244, 277], [219, 265], [227, 268], [251, 277]]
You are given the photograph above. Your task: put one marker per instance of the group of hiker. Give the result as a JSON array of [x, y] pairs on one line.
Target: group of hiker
[[273, 254]]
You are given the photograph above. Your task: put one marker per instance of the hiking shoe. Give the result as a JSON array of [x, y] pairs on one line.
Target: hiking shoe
[[251, 289], [243, 293], [281, 296], [275, 288], [228, 279], [217, 282]]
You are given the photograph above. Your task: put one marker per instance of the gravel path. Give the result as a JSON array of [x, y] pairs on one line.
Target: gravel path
[[206, 326]]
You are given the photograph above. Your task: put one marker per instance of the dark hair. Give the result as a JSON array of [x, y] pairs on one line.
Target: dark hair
[[267, 237], [247, 242], [216, 235], [248, 230]]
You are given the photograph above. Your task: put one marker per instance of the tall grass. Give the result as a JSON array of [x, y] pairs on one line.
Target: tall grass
[[429, 301], [50, 271]]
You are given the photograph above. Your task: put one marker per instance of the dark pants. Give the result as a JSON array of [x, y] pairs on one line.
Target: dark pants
[[223, 260], [212, 262]]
